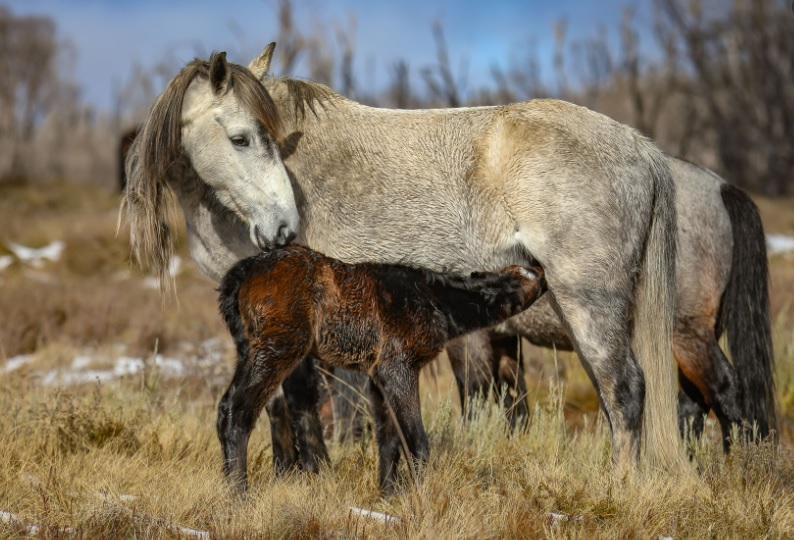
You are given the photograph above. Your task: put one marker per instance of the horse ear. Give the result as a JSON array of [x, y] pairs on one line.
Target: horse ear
[[260, 65], [219, 73]]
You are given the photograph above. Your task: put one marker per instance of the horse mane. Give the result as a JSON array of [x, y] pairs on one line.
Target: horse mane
[[308, 94], [148, 202]]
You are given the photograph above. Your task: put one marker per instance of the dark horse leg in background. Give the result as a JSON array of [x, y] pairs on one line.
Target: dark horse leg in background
[[482, 361], [707, 380]]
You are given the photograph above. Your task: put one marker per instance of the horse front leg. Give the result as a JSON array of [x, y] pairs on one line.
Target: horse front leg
[[470, 357], [511, 383]]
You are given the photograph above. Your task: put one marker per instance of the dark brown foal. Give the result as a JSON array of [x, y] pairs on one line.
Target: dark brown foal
[[385, 320]]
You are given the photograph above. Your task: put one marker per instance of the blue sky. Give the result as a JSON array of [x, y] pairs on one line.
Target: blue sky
[[110, 36]]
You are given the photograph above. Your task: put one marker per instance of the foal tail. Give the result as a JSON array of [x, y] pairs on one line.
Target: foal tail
[[744, 312], [654, 312], [229, 304]]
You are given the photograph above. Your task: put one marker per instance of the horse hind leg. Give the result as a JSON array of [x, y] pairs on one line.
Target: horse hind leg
[[596, 321], [703, 363], [692, 408]]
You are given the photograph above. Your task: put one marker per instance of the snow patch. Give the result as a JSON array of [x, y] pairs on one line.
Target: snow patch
[[174, 267], [208, 359], [35, 257], [779, 243], [5, 261], [16, 362]]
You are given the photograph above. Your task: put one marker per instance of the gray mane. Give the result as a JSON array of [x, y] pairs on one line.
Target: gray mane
[[308, 94], [155, 155]]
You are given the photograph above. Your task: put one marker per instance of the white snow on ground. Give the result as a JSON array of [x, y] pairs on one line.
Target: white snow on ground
[[122, 366], [35, 257], [207, 359], [779, 243], [5, 261], [16, 362]]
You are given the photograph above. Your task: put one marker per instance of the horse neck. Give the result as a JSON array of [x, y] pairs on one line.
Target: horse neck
[[216, 238]]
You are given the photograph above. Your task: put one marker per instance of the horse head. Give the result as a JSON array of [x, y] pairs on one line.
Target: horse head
[[214, 122], [230, 132]]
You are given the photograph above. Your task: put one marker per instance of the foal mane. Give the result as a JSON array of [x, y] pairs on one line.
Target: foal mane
[[148, 201]]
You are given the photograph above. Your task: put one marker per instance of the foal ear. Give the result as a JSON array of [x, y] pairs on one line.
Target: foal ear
[[260, 65], [219, 73]]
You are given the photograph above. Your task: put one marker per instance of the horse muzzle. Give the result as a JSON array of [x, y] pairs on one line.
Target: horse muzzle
[[284, 235]]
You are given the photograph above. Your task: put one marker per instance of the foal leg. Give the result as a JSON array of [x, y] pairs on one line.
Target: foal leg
[[282, 434], [301, 390], [295, 426], [254, 382], [395, 395]]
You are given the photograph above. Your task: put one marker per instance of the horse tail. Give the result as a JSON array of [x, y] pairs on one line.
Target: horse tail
[[653, 319], [744, 312]]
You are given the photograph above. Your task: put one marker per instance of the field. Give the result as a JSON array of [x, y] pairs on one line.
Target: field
[[110, 411]]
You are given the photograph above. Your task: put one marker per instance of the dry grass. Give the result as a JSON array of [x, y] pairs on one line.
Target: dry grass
[[138, 455]]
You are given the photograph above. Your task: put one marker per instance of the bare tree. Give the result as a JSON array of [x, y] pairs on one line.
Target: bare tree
[[441, 82], [29, 84], [742, 61], [399, 94]]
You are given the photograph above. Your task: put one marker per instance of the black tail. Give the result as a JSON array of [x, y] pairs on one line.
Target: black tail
[[229, 290], [744, 312]]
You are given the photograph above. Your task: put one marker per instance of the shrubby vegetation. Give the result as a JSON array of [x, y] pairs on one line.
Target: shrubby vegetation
[[717, 91]]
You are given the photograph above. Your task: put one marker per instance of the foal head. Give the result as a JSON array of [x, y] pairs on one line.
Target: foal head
[[519, 286], [485, 299]]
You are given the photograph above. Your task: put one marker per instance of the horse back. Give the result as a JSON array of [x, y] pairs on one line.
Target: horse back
[[275, 293]]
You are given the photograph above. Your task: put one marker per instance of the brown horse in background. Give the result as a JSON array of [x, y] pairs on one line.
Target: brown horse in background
[[385, 320]]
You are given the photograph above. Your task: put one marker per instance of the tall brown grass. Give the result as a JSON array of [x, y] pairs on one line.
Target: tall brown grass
[[138, 456]]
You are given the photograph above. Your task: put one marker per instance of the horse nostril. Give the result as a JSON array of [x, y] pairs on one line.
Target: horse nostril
[[285, 235]]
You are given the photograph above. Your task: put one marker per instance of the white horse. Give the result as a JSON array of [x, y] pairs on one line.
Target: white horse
[[589, 199]]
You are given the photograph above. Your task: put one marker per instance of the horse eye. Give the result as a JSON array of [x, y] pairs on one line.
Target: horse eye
[[239, 140]]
